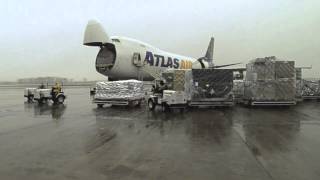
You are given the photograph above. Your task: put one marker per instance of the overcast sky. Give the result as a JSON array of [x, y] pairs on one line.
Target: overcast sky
[[44, 38]]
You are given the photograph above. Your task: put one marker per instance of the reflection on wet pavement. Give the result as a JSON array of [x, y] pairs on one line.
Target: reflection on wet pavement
[[79, 141], [54, 110]]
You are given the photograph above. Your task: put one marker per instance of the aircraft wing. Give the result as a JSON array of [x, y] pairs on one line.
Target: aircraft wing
[[226, 65]]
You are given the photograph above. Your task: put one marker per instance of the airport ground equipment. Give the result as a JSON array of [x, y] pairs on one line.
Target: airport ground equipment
[[29, 93], [212, 87], [92, 91], [44, 95], [169, 98], [121, 93], [270, 81], [193, 88]]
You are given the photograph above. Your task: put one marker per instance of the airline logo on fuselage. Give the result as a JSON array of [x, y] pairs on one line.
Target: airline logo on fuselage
[[169, 62]]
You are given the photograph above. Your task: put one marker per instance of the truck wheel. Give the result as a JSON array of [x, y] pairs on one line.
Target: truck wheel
[[139, 103], [165, 107], [60, 99], [30, 98], [132, 104], [100, 105], [42, 101], [151, 105]]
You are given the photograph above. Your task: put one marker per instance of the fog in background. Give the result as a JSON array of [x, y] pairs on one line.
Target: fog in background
[[44, 38]]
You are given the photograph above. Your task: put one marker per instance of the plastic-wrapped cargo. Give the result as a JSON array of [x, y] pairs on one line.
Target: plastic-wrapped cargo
[[269, 68], [272, 90], [310, 88], [285, 89], [269, 79], [259, 90], [113, 90], [284, 69], [212, 83], [261, 69]]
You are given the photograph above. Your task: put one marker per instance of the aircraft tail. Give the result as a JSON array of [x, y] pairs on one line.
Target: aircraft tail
[[209, 53]]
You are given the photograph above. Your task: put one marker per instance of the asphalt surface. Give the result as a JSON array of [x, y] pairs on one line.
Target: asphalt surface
[[79, 141]]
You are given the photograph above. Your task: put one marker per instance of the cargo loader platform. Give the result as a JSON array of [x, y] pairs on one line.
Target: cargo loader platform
[[212, 103], [311, 97], [118, 102], [270, 103]]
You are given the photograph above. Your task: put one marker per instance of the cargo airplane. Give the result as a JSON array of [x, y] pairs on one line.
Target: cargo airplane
[[122, 58]]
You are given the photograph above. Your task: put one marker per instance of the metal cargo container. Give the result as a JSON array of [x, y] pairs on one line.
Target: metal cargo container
[[212, 87]]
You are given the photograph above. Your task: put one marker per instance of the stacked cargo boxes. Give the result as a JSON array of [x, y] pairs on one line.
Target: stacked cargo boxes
[[212, 87], [270, 82]]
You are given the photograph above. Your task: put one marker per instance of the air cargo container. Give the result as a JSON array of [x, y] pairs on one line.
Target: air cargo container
[[270, 81]]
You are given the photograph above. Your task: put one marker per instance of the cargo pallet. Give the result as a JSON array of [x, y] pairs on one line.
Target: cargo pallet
[[211, 103], [118, 102], [311, 97], [270, 103]]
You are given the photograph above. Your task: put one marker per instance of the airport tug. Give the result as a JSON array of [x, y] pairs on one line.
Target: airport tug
[[43, 95]]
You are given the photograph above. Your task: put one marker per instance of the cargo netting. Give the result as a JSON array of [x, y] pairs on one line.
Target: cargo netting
[[270, 79], [212, 83]]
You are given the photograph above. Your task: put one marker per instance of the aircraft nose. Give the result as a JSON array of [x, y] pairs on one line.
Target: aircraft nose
[[106, 59]]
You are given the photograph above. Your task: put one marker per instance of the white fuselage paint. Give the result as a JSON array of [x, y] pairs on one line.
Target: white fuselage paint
[[125, 69]]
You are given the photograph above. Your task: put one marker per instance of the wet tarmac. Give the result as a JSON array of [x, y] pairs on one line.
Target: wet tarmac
[[79, 141]]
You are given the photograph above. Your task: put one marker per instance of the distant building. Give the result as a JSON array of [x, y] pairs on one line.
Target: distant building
[[44, 80]]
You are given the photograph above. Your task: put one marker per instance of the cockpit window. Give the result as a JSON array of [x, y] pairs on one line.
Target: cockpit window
[[116, 40]]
